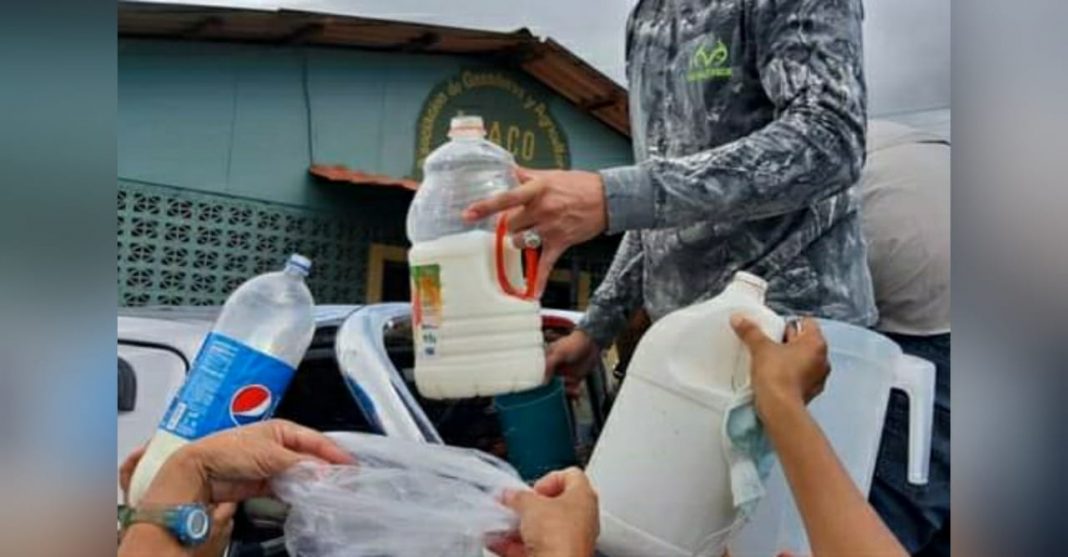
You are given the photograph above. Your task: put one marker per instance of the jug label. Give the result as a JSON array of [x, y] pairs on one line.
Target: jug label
[[230, 384], [426, 307]]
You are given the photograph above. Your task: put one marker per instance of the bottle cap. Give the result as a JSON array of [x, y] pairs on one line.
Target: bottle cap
[[466, 126], [299, 263], [751, 280]]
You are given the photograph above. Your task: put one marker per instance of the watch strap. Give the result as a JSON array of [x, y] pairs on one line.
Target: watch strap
[[188, 523]]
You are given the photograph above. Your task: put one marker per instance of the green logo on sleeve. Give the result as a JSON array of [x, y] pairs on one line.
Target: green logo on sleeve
[[710, 62]]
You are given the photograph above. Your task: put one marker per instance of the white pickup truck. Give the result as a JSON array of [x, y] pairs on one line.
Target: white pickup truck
[[356, 376]]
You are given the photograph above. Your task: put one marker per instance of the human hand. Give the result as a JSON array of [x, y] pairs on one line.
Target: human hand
[[126, 471], [222, 514], [787, 375], [572, 357], [237, 464], [559, 518], [565, 207]]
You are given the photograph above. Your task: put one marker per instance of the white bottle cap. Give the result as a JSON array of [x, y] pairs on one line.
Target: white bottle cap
[[757, 284], [299, 263], [466, 126]]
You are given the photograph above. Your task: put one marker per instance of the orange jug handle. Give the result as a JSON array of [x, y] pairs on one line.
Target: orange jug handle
[[530, 257]]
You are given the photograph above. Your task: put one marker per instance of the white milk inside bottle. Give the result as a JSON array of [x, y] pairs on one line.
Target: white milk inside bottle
[[243, 367], [475, 333], [660, 467]]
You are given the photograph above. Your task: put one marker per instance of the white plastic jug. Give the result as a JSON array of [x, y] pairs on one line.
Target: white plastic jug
[[865, 366], [659, 467], [476, 334]]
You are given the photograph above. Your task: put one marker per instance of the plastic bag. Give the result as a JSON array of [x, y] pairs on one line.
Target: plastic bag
[[400, 499]]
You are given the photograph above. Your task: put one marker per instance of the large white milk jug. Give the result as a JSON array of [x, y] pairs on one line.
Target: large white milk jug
[[660, 467], [476, 325]]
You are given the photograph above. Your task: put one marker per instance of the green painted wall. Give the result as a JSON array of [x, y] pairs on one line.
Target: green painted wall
[[247, 120], [215, 141]]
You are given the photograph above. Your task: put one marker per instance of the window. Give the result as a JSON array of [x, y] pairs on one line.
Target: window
[[319, 396], [387, 274], [127, 387]]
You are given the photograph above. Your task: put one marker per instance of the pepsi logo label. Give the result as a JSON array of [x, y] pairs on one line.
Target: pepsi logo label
[[250, 404], [230, 384]]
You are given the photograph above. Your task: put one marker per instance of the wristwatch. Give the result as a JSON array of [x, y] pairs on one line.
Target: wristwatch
[[189, 524]]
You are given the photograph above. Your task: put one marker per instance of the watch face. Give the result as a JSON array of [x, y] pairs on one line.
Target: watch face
[[197, 524]]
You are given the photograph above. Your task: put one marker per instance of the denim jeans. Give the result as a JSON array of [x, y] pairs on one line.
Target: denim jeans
[[917, 515]]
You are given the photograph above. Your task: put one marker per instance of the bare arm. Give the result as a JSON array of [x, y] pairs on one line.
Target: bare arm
[[838, 519], [149, 539], [220, 470]]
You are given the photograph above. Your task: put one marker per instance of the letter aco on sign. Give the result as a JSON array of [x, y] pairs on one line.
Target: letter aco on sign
[[516, 118]]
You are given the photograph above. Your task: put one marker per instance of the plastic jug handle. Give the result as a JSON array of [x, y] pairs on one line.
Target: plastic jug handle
[[530, 257], [916, 377]]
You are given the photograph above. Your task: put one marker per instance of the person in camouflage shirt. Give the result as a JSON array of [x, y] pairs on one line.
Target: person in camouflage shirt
[[748, 122]]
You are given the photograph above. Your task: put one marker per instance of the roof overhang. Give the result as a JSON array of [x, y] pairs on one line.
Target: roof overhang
[[543, 59]]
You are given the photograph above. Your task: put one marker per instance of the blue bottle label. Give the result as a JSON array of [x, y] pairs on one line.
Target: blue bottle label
[[230, 384]]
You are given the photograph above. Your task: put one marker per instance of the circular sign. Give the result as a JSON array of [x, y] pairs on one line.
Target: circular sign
[[515, 117]]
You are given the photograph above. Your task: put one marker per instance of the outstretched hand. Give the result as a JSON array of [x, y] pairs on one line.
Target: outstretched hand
[[238, 464]]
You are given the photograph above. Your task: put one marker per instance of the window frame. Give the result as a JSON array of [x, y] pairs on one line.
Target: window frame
[[377, 257]]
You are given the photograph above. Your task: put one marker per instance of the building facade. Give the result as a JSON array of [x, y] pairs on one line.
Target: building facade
[[222, 144]]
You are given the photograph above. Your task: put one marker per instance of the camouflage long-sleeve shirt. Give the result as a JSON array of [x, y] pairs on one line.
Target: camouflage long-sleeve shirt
[[748, 119]]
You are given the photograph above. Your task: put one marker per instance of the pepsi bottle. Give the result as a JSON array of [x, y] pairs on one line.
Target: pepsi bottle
[[243, 367]]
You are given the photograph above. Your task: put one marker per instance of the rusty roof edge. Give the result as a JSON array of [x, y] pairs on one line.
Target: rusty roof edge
[[552, 43], [189, 9], [542, 46], [616, 94]]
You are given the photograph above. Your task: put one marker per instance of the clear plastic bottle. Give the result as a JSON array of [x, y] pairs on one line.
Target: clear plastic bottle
[[475, 335], [464, 170], [243, 367]]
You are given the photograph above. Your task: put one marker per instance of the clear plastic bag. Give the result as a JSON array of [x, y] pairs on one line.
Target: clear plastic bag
[[401, 499]]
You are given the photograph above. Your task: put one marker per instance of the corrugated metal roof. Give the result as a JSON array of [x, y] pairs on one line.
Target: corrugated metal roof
[[543, 59]]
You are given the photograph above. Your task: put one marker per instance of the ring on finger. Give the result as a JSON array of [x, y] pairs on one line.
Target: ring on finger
[[531, 239]]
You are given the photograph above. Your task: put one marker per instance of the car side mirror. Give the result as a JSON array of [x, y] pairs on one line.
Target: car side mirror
[[127, 387]]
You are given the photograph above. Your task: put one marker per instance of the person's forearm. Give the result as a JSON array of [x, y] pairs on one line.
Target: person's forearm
[[838, 519], [178, 482], [149, 539], [602, 323], [618, 295]]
